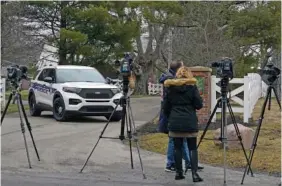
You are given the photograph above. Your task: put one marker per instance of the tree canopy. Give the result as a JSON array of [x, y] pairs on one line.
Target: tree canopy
[[98, 32]]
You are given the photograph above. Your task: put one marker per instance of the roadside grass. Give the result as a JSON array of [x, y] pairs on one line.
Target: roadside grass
[[267, 157], [143, 96], [13, 107], [24, 94]]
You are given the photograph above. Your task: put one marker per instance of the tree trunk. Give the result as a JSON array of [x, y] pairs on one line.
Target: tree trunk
[[62, 41], [142, 81], [141, 84]]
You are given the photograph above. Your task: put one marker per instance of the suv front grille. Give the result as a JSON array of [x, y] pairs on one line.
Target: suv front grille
[[97, 109], [92, 93]]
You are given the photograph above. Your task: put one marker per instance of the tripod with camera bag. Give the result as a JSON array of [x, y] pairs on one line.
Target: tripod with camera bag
[[127, 120], [13, 75], [225, 72]]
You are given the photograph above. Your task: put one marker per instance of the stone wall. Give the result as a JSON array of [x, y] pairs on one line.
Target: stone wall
[[203, 75]]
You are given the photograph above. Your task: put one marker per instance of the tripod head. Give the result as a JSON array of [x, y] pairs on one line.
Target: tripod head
[[224, 83], [271, 73]]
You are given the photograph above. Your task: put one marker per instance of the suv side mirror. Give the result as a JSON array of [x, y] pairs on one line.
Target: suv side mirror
[[48, 79]]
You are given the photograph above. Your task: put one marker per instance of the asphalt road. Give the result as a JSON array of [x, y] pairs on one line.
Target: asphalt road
[[64, 147]]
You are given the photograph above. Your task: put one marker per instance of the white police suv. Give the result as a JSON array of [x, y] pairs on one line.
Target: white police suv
[[69, 90]]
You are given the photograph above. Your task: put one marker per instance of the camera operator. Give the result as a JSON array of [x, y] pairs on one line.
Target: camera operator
[[170, 165], [180, 105]]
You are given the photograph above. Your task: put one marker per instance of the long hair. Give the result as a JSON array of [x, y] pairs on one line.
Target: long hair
[[184, 72]]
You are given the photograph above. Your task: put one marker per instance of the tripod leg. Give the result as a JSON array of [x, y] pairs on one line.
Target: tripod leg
[[123, 103], [131, 118], [269, 102], [6, 107], [101, 135], [139, 155], [276, 96], [129, 135], [238, 134], [135, 139], [254, 144], [209, 122], [28, 125], [23, 131]]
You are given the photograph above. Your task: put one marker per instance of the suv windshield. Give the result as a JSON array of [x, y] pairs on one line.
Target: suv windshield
[[79, 75]]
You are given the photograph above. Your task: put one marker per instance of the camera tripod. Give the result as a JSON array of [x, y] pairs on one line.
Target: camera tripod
[[126, 120], [18, 99], [255, 139], [222, 103]]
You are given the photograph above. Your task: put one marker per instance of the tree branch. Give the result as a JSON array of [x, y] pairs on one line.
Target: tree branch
[[150, 41]]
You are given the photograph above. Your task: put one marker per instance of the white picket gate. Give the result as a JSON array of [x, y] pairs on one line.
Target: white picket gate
[[3, 91], [252, 87]]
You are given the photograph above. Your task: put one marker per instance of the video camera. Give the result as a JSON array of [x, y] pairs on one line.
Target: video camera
[[16, 73], [125, 65], [126, 68], [272, 72], [224, 68]]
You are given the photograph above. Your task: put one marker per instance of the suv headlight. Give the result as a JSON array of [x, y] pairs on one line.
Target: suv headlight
[[115, 90], [71, 89]]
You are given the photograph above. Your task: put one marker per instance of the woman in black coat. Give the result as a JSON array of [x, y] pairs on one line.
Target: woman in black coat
[[180, 105]]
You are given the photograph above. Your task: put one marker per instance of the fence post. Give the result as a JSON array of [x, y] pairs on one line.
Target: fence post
[[213, 95], [246, 99], [149, 88]]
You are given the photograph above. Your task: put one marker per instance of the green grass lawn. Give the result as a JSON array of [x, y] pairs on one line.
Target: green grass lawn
[[267, 157], [13, 107], [24, 94]]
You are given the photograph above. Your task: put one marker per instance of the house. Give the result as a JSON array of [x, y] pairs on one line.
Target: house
[[48, 57]]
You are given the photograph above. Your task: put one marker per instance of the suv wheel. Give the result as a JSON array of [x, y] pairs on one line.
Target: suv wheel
[[116, 117], [59, 112], [34, 110]]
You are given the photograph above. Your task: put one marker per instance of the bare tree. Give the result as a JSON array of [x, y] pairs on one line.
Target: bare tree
[[18, 44], [205, 41], [151, 42]]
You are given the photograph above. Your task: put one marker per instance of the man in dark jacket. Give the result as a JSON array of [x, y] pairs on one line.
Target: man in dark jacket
[[163, 122]]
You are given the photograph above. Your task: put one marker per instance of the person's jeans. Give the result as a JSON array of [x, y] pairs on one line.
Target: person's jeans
[[170, 152]]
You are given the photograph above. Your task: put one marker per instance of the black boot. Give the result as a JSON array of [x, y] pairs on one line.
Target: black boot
[[194, 166], [179, 175], [188, 167], [178, 161]]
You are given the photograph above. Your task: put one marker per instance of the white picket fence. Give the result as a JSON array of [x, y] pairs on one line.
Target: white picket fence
[[252, 87], [3, 91], [155, 89]]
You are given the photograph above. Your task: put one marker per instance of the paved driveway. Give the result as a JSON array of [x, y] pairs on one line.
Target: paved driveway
[[64, 147]]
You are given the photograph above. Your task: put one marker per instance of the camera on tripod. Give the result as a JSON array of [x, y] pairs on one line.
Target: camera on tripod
[[126, 70], [224, 68], [125, 65], [16, 73], [272, 72], [127, 120]]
